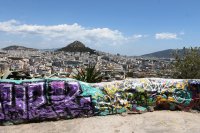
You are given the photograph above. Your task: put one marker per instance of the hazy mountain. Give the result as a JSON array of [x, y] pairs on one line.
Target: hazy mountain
[[16, 47], [162, 54], [77, 46]]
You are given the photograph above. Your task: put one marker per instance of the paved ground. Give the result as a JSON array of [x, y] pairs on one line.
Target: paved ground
[[151, 122]]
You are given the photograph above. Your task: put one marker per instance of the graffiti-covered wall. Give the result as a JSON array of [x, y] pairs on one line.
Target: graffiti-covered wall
[[52, 99]]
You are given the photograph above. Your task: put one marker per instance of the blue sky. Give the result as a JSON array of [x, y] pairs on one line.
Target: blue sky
[[131, 27]]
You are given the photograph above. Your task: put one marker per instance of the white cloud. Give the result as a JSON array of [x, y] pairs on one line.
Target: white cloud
[[166, 35], [65, 33]]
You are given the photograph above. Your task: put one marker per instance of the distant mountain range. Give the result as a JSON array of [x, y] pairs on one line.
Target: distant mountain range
[[77, 46], [164, 53], [16, 47]]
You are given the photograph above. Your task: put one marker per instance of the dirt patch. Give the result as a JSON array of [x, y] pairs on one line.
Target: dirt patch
[[151, 122]]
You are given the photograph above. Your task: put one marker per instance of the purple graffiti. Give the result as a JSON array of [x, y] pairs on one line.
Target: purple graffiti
[[37, 102], [1, 113], [66, 101], [20, 101], [6, 100], [42, 100]]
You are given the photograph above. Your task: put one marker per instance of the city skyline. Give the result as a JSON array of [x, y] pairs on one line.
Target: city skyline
[[129, 28]]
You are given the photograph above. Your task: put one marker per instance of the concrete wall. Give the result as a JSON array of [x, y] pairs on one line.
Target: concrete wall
[[52, 99]]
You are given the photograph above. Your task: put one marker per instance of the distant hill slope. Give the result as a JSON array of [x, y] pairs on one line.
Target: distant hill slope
[[162, 54], [168, 53], [16, 47], [77, 46]]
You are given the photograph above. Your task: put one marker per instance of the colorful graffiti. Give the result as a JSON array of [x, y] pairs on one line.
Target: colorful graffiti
[[42, 100], [23, 101], [141, 95]]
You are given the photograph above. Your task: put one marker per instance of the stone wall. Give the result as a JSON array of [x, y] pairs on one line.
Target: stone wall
[[23, 101]]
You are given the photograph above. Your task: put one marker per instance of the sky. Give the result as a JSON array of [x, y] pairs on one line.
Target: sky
[[127, 27]]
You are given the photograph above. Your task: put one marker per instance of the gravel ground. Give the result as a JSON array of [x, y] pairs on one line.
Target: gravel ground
[[151, 122]]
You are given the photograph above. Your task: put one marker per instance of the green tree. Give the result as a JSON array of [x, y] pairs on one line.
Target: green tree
[[89, 74], [187, 64]]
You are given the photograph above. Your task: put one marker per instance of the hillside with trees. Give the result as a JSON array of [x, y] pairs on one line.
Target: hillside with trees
[[187, 64]]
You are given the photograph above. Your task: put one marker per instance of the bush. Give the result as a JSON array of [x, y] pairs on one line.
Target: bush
[[187, 64]]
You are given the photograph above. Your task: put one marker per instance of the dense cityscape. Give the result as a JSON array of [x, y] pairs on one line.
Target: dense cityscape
[[55, 63]]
